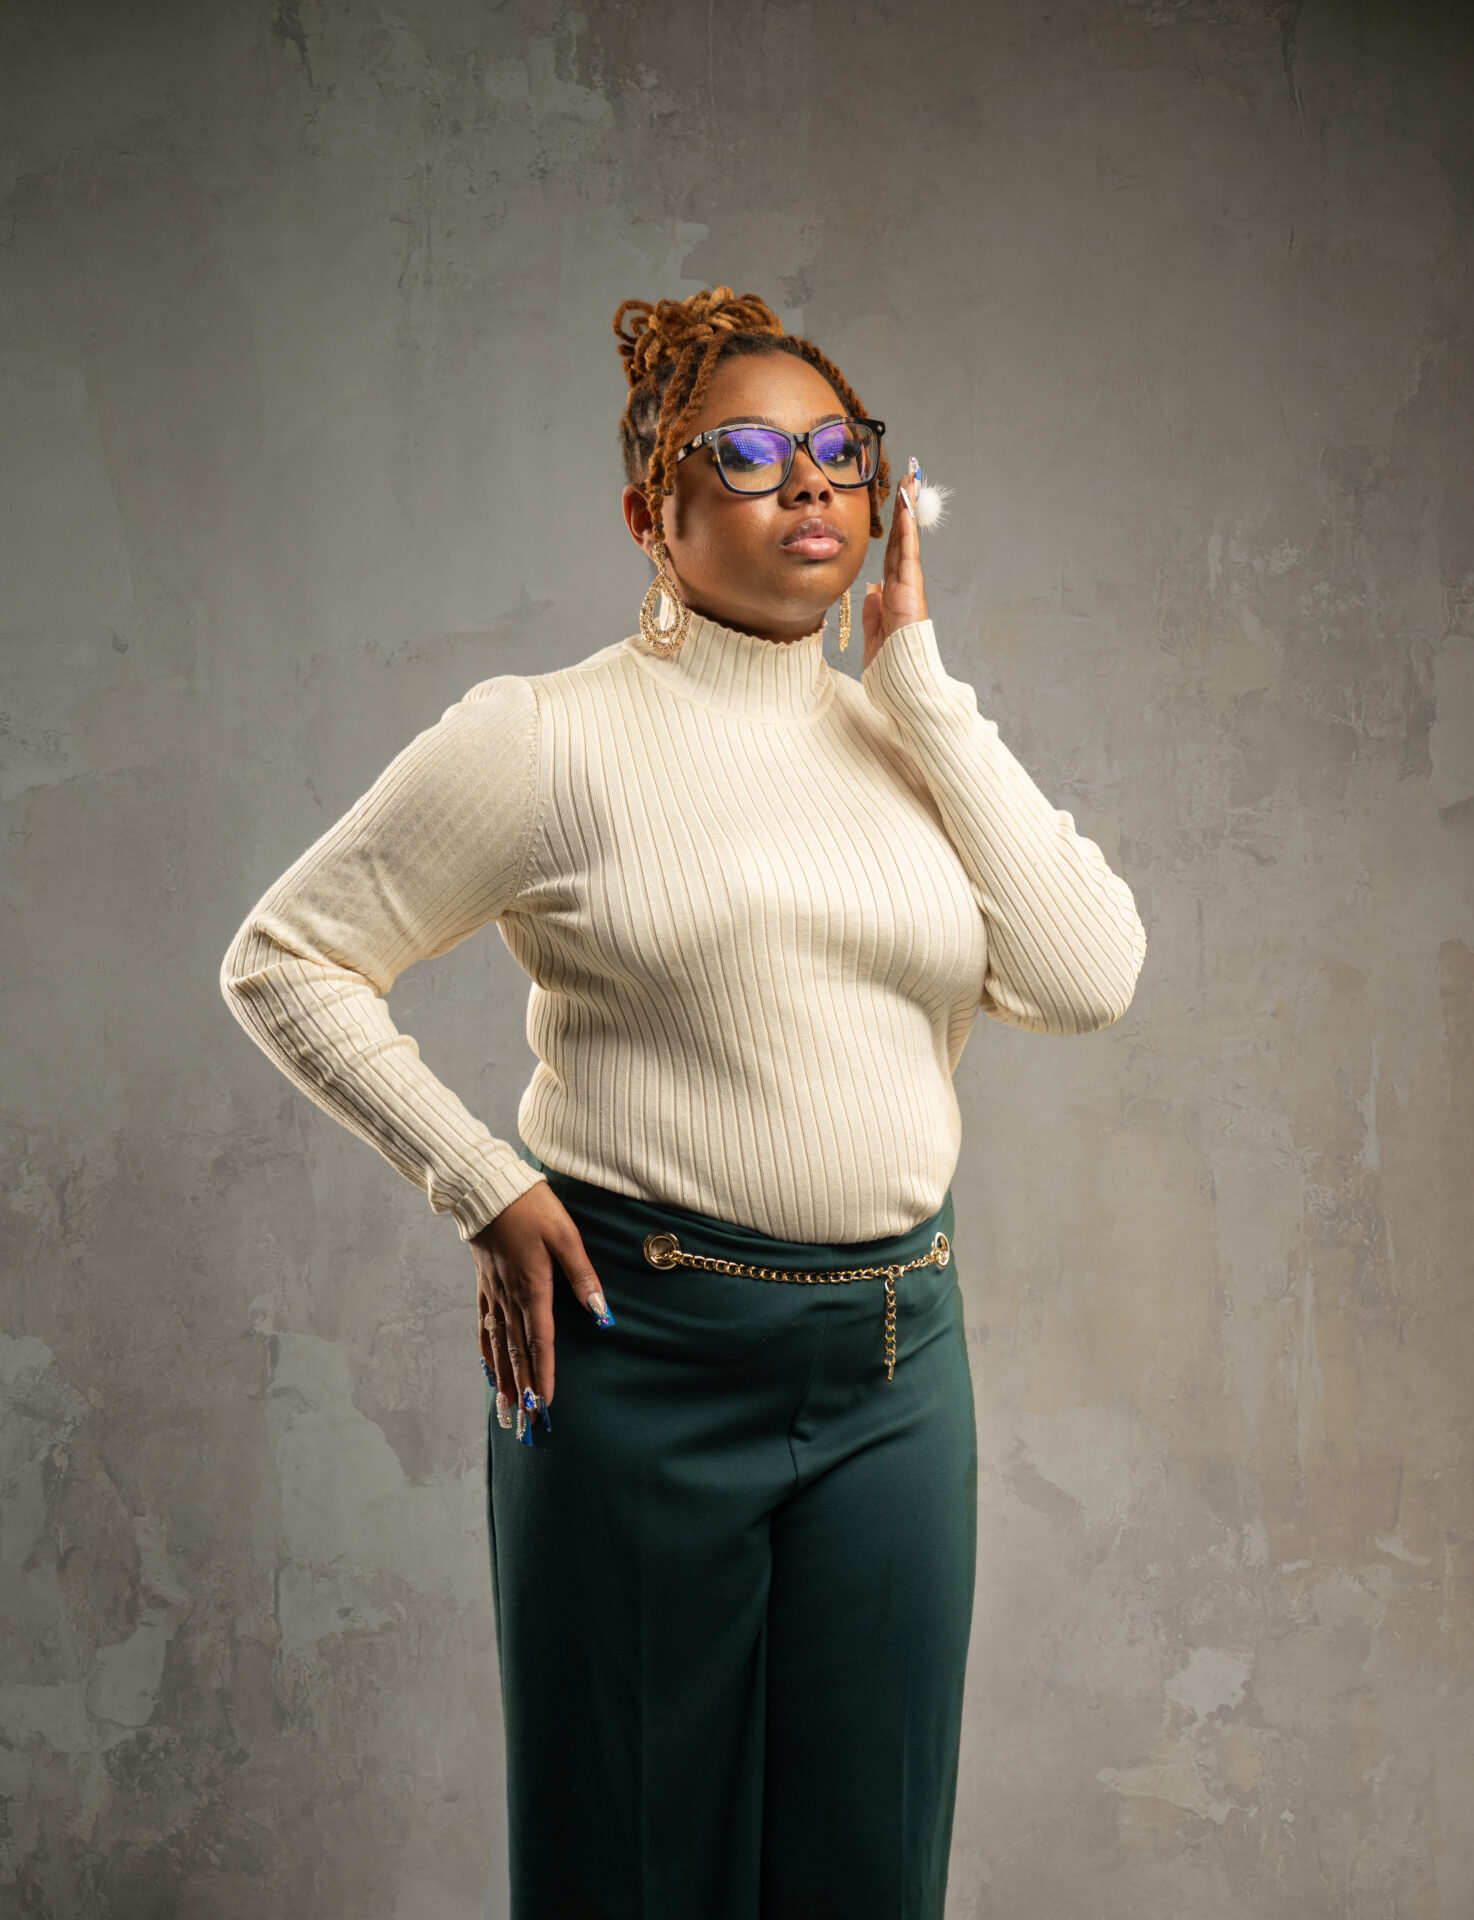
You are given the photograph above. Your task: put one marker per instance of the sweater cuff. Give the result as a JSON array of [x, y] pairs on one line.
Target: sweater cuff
[[908, 671], [495, 1191]]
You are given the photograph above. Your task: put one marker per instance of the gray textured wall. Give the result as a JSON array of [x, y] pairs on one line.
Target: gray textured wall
[[309, 400]]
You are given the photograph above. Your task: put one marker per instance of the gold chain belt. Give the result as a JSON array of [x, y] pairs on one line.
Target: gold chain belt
[[664, 1250]]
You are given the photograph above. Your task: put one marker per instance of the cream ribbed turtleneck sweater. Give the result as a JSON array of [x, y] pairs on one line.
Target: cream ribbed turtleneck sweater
[[760, 904]]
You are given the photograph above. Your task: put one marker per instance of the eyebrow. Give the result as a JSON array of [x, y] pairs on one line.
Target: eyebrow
[[762, 420]]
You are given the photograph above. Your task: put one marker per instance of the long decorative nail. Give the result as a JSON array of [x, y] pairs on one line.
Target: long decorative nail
[[599, 1308], [524, 1431], [490, 1376], [544, 1417], [503, 1411]]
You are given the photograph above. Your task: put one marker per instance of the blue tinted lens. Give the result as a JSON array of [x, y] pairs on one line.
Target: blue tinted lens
[[846, 450], [754, 454]]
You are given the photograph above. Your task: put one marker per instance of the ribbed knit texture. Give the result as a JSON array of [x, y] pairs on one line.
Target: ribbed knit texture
[[760, 903]]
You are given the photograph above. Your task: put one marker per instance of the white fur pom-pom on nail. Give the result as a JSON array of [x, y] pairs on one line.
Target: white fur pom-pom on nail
[[931, 503]]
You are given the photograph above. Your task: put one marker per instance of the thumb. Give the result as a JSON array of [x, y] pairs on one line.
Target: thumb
[[870, 612], [579, 1272]]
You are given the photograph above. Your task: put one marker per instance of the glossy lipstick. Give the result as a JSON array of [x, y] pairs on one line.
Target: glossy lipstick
[[816, 539]]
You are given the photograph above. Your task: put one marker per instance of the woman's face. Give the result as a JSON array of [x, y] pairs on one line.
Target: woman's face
[[727, 551]]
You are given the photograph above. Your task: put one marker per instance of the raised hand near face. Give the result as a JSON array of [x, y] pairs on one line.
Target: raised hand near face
[[900, 597]]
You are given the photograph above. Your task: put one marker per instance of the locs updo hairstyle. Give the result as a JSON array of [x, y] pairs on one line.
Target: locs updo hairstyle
[[670, 351]]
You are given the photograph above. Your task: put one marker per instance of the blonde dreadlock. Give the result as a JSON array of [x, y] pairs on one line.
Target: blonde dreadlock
[[671, 350]]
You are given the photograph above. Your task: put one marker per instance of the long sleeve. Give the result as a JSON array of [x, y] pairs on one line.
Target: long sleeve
[[1065, 941], [435, 849]]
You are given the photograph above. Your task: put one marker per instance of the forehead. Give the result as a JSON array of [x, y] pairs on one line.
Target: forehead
[[779, 386]]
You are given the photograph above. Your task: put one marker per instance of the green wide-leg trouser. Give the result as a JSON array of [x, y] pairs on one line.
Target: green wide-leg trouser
[[733, 1583]]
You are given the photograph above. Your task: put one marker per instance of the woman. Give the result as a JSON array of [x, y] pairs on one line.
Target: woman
[[761, 904]]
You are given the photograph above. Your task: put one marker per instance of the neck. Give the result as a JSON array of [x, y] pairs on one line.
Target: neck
[[799, 629], [742, 673]]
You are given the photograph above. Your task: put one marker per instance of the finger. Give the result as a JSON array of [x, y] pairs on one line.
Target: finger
[[903, 529], [578, 1270], [905, 569], [870, 612], [527, 1303], [899, 518], [537, 1322], [501, 1365], [484, 1327], [906, 530], [514, 1332]]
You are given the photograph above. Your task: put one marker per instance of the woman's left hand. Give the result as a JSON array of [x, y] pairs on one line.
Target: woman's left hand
[[900, 597]]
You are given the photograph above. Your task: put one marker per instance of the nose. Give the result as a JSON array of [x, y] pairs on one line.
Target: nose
[[802, 476]]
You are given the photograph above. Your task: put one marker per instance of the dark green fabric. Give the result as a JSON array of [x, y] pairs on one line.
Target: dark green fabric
[[734, 1584]]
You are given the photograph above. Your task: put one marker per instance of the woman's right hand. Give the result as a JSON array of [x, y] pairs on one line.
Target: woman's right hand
[[515, 1255]]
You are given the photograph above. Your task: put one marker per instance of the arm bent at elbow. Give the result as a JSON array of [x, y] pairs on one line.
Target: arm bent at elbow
[[436, 849], [1065, 941]]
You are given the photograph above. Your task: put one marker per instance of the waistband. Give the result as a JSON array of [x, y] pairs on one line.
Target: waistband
[[729, 1239]]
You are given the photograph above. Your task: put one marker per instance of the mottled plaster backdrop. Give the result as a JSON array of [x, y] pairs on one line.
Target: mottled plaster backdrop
[[309, 399]]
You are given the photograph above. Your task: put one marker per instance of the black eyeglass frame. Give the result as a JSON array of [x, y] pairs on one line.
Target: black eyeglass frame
[[795, 441]]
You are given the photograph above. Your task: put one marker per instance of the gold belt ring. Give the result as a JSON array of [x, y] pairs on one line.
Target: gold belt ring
[[664, 1250]]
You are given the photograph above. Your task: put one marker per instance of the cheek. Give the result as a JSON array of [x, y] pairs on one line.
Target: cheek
[[721, 543]]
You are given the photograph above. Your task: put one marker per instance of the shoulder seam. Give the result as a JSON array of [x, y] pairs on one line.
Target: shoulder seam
[[598, 661]]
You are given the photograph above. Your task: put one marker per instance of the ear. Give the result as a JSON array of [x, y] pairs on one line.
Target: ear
[[637, 516]]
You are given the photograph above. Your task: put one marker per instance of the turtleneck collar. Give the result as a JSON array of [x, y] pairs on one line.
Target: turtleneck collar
[[739, 673]]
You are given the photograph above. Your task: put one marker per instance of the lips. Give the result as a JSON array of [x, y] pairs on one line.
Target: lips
[[817, 539]]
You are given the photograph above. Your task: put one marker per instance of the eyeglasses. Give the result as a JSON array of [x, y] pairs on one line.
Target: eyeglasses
[[752, 458]]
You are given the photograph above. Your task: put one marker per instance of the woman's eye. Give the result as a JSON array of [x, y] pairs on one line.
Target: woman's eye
[[751, 450], [837, 449]]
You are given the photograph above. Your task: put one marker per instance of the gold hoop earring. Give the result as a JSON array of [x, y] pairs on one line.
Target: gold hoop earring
[[844, 620], [663, 640]]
